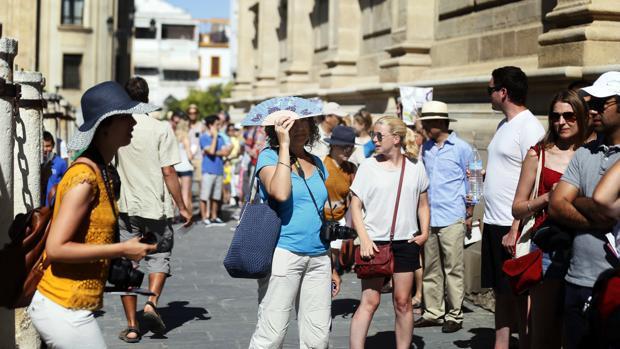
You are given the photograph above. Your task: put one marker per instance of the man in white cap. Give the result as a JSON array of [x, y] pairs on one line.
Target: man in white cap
[[445, 157], [332, 113], [572, 205]]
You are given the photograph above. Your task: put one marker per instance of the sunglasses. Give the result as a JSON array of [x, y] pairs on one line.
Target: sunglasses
[[491, 89], [568, 116], [599, 104], [374, 134]]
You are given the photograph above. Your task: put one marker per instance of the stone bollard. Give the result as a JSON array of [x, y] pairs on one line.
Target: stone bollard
[[27, 174], [8, 50]]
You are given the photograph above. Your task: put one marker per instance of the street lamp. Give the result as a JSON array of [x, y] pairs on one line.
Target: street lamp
[[110, 23]]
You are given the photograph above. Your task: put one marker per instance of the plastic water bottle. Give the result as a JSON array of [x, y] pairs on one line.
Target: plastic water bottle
[[475, 187]]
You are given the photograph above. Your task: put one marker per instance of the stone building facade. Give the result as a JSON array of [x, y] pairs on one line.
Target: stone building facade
[[357, 52], [74, 43]]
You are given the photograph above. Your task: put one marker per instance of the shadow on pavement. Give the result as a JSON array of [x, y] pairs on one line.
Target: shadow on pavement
[[387, 339], [178, 313], [344, 307], [483, 338]]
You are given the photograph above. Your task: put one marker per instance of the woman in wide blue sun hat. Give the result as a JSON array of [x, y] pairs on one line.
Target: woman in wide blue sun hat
[[293, 181], [81, 238]]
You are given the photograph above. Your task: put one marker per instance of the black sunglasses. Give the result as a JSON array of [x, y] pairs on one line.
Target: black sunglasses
[[599, 104], [491, 89], [374, 134], [568, 116]]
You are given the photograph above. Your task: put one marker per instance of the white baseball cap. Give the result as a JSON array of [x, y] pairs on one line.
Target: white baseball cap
[[606, 85], [333, 108]]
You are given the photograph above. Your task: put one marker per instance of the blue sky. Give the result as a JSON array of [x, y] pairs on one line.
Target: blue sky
[[204, 8]]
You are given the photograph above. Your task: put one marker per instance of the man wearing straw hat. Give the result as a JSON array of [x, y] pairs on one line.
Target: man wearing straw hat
[[445, 158]]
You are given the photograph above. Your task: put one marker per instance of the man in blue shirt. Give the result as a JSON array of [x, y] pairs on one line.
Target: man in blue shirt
[[445, 158], [52, 169], [213, 151]]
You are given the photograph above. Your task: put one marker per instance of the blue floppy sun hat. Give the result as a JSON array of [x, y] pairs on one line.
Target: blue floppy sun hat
[[99, 103], [265, 113]]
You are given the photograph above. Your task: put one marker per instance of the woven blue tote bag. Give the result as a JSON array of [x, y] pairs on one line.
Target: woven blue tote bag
[[251, 249]]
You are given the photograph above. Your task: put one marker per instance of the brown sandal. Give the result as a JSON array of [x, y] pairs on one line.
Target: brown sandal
[[130, 329], [153, 320]]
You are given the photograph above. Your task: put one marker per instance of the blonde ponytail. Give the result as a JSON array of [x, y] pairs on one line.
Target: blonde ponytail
[[407, 136], [412, 150]]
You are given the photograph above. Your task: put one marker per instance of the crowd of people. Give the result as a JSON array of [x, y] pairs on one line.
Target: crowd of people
[[353, 169]]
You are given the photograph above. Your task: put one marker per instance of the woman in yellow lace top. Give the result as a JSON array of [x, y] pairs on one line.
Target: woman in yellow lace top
[[81, 238]]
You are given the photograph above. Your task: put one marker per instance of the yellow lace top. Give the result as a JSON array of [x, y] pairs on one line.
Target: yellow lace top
[[80, 285]]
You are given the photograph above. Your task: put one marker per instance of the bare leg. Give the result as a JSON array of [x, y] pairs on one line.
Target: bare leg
[[418, 275], [523, 317], [186, 192], [215, 206], [129, 306], [505, 317], [204, 214], [371, 298], [401, 297], [156, 285]]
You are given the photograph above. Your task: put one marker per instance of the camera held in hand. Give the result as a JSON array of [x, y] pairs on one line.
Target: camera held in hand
[[123, 275], [332, 230]]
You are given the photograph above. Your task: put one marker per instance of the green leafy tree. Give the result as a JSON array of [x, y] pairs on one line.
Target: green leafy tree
[[208, 101]]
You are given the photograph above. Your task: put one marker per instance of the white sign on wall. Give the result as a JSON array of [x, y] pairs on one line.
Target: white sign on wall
[[412, 99]]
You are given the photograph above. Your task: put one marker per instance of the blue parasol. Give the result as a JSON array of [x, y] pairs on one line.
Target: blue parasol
[[266, 112]]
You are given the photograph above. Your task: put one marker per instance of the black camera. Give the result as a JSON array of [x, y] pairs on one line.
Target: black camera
[[332, 230], [164, 241], [123, 275]]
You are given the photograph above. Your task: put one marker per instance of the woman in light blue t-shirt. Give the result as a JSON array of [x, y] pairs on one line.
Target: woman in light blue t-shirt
[[301, 266]]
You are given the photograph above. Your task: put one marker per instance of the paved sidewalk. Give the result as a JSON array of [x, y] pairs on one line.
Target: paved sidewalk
[[205, 308]]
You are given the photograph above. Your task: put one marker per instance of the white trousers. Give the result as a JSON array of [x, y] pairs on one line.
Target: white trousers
[[292, 275], [62, 328]]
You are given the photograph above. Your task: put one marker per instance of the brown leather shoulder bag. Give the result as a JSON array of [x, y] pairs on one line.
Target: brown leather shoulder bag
[[382, 264]]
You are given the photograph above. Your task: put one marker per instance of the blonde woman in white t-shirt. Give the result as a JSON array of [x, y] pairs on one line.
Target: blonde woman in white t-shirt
[[374, 196]]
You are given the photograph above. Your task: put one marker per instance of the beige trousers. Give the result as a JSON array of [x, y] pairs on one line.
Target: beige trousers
[[293, 276], [444, 273]]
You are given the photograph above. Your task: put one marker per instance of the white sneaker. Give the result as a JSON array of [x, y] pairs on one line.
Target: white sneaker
[[218, 222], [206, 222]]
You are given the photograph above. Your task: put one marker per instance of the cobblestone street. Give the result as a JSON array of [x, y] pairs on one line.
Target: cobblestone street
[[205, 308]]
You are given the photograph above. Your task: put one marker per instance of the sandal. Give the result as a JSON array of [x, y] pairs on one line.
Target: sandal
[[130, 329], [416, 303], [153, 320]]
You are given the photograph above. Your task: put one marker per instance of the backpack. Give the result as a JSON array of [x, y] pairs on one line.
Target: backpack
[[22, 259]]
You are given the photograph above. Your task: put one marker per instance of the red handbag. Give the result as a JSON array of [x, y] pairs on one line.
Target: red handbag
[[382, 264], [524, 272]]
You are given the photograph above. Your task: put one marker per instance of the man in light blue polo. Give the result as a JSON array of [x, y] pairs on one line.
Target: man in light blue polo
[[445, 158]]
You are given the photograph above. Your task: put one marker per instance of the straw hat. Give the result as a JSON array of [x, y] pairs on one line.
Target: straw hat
[[435, 110]]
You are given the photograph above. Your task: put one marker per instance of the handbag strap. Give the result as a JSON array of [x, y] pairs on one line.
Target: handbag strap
[[400, 186], [303, 177], [540, 149]]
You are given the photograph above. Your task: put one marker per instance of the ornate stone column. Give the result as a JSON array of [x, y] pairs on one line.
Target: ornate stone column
[[296, 69], [413, 34], [268, 59], [28, 136], [27, 174], [8, 50], [586, 33], [344, 44], [245, 53]]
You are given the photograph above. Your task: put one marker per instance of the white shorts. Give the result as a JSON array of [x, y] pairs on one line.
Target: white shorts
[[64, 328]]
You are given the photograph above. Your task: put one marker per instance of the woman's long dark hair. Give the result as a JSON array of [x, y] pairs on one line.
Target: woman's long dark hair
[[581, 114], [272, 137]]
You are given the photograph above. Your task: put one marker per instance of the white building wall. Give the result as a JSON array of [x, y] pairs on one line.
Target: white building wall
[[206, 53], [153, 57]]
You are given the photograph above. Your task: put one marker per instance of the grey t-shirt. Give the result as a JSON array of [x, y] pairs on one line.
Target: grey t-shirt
[[588, 165]]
